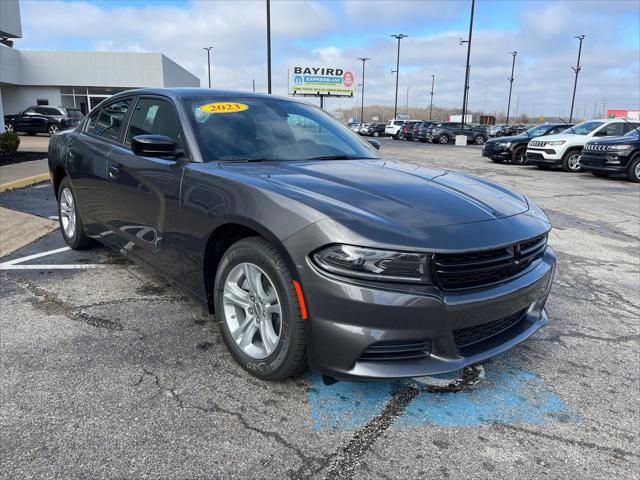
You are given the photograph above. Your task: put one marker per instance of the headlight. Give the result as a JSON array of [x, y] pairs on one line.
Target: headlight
[[556, 142], [504, 144], [370, 264], [620, 147]]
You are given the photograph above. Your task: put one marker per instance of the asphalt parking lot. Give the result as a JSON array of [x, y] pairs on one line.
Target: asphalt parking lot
[[108, 372]]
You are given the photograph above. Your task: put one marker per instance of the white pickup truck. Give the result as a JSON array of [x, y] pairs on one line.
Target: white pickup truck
[[565, 149]]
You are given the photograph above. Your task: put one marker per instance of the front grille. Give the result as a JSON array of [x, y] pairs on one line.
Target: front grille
[[396, 350], [537, 143], [596, 148], [455, 271], [470, 335]]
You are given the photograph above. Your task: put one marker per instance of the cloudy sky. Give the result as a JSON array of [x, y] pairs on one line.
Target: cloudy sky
[[337, 32]]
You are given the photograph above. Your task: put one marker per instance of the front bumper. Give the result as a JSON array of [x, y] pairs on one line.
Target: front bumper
[[346, 319], [543, 156], [495, 152], [606, 163]]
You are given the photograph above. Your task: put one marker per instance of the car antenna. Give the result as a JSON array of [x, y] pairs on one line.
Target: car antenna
[[570, 127], [634, 127]]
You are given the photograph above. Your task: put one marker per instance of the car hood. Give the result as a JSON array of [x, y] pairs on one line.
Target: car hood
[[390, 192], [511, 138], [569, 137]]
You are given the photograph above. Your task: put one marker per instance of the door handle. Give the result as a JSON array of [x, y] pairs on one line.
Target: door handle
[[114, 172]]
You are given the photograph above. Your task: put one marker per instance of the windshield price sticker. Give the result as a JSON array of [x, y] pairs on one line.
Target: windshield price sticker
[[224, 107]]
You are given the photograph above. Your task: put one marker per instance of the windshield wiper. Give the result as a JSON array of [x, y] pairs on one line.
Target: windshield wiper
[[335, 157]]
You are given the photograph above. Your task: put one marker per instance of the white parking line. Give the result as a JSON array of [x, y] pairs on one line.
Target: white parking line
[[17, 263]]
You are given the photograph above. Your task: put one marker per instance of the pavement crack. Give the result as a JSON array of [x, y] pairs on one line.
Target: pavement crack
[[615, 451], [50, 304], [348, 459]]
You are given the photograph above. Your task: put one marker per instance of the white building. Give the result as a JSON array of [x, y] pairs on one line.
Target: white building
[[73, 79]]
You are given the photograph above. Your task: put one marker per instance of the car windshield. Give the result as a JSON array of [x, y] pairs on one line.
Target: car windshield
[[584, 128], [538, 130], [255, 128]]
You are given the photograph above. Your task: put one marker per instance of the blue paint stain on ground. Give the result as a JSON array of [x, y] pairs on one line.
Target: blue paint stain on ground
[[508, 394]]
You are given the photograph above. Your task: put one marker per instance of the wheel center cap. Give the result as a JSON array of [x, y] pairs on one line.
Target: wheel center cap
[[257, 308]]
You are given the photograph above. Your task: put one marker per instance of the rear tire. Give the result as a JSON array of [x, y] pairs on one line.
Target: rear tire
[[633, 172], [69, 218], [571, 161], [8, 127], [443, 139], [376, 134], [266, 305], [479, 140]]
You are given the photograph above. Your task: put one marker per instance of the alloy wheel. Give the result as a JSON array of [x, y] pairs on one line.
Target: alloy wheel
[[443, 139], [574, 162], [636, 171], [252, 310], [479, 140], [8, 127], [68, 213], [53, 129]]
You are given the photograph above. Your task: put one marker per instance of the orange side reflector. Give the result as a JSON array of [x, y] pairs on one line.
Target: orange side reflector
[[303, 306]]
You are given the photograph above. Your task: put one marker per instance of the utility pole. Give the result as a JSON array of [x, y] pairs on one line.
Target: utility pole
[[407, 104], [604, 107], [577, 71], [433, 81], [466, 75], [513, 66], [517, 105], [363, 60], [399, 36], [269, 46], [208, 49]]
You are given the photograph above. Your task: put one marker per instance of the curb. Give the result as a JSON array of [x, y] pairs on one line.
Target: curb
[[24, 182]]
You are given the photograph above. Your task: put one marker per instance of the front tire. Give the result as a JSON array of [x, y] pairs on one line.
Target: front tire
[[479, 140], [8, 127], [52, 129], [69, 218], [376, 134], [519, 156], [633, 173], [571, 161], [258, 312]]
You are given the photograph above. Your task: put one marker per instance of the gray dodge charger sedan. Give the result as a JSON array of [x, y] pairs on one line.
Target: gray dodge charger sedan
[[309, 247]]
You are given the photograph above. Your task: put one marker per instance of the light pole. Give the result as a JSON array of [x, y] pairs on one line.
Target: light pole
[[433, 81], [513, 66], [466, 74], [269, 46], [577, 71], [399, 36], [208, 49], [407, 104], [363, 60]]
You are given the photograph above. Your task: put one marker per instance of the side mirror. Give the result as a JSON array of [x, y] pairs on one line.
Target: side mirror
[[154, 146], [374, 143]]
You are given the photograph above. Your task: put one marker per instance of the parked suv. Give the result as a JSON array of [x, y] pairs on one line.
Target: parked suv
[[514, 148], [43, 119], [375, 129], [394, 126], [406, 131], [565, 149], [447, 131], [420, 132], [614, 155]]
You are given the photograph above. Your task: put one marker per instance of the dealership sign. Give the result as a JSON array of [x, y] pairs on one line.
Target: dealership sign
[[317, 81]]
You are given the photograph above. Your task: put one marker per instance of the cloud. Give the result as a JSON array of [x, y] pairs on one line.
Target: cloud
[[340, 32]]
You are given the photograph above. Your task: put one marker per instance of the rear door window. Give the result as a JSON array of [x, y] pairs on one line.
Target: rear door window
[[109, 122], [611, 130]]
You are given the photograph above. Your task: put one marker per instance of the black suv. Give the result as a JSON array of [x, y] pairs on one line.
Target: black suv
[[447, 131], [420, 131], [375, 130], [43, 119], [607, 156], [514, 148]]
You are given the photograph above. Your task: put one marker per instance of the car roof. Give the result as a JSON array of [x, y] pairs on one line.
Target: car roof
[[183, 92]]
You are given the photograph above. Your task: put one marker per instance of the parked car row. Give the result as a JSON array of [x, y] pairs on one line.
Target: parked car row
[[602, 146], [43, 119]]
